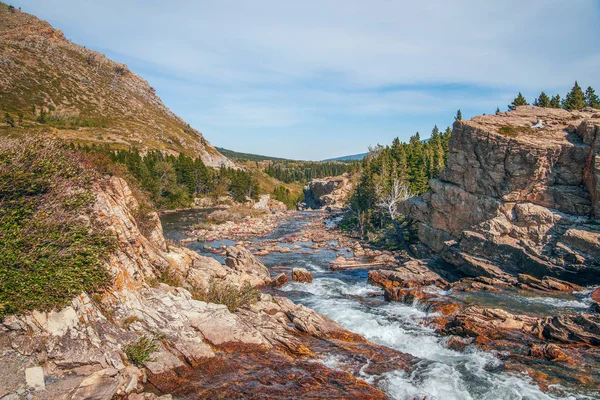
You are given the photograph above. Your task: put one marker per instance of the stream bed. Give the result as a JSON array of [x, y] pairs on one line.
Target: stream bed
[[347, 298]]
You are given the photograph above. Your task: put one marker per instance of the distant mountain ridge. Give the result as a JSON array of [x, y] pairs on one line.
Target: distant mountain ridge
[[354, 157], [55, 87], [236, 155]]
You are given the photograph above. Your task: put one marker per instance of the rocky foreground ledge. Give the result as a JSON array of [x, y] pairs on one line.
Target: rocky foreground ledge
[[92, 348]]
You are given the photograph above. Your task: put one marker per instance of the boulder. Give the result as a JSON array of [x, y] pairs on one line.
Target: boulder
[[100, 385], [280, 280], [301, 275], [242, 260], [34, 377], [596, 299], [412, 274]]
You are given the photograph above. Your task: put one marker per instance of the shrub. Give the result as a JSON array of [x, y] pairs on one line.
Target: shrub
[[139, 352], [51, 249], [130, 320], [229, 295], [170, 278], [514, 131]]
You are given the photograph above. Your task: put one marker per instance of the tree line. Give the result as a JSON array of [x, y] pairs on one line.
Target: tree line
[[305, 171], [576, 99], [174, 181], [389, 171]]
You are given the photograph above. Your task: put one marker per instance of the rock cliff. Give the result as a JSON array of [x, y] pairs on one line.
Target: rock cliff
[[515, 199], [200, 347], [330, 193]]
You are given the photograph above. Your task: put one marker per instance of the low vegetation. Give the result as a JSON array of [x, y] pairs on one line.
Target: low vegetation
[[51, 250], [514, 131], [173, 181], [140, 351], [223, 293]]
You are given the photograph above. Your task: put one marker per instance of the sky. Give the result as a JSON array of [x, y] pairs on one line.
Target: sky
[[316, 79]]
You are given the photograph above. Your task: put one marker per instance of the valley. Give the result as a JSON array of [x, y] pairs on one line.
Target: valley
[[140, 262]]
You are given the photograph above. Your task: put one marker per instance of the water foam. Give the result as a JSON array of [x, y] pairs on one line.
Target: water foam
[[442, 373]]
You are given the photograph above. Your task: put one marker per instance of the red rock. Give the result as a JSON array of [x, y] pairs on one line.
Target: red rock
[[279, 280], [596, 299], [301, 275], [412, 274]]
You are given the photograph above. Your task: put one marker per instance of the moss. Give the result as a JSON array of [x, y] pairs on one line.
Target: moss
[[514, 131], [51, 249], [229, 295]]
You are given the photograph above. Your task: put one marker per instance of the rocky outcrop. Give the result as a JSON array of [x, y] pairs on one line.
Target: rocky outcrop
[[85, 347], [513, 199], [301, 275], [331, 193], [265, 202]]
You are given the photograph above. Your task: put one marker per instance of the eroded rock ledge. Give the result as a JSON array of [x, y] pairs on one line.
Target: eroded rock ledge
[[513, 199]]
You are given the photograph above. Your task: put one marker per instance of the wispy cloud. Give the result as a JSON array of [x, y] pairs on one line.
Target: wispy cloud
[[272, 70]]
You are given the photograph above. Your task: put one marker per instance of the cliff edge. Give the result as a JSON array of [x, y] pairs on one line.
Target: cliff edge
[[517, 199]]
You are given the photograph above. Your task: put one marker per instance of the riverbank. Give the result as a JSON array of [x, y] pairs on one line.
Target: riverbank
[[430, 312]]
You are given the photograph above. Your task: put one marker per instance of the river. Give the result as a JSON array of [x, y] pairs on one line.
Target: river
[[347, 298]]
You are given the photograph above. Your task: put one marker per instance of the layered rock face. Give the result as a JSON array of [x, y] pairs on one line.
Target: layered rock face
[[330, 193], [201, 348], [514, 199]]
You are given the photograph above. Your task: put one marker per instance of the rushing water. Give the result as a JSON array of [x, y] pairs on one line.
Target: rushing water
[[345, 297]]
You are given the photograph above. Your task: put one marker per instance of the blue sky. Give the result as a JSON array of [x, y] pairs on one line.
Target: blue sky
[[318, 79]]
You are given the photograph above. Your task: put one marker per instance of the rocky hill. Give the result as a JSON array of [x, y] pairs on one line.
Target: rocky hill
[[516, 199], [51, 85]]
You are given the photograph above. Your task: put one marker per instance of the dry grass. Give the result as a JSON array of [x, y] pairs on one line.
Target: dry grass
[[222, 293], [514, 131]]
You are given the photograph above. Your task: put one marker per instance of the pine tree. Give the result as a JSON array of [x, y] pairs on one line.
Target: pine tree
[[542, 101], [575, 99], [591, 98], [458, 116], [518, 101], [497, 110], [9, 120], [555, 102]]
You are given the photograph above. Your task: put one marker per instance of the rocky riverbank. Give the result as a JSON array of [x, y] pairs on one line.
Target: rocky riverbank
[[148, 336]]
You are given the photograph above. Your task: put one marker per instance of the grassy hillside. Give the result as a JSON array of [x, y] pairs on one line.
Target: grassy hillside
[[53, 87]]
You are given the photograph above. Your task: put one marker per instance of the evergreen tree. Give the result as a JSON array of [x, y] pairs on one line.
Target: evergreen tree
[[575, 99], [556, 102], [497, 110], [591, 98], [9, 120], [518, 101], [542, 101], [458, 116]]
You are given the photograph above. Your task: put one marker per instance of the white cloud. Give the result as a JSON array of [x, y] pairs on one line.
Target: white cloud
[[269, 63]]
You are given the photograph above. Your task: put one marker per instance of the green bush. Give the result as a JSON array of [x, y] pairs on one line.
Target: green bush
[[51, 249], [514, 131], [229, 295], [139, 352]]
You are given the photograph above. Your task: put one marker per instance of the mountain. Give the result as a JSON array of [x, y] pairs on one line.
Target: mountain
[[353, 157], [52, 86], [234, 155]]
